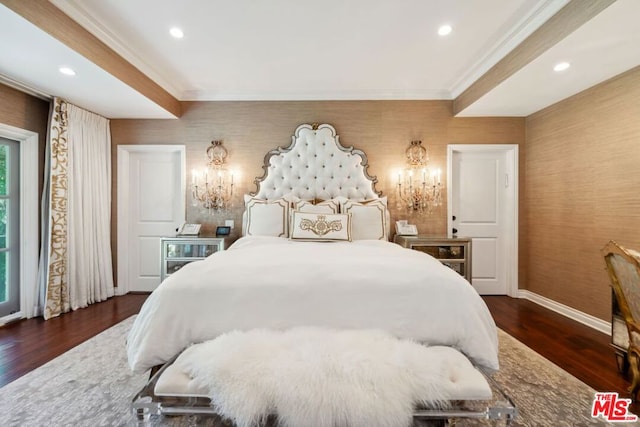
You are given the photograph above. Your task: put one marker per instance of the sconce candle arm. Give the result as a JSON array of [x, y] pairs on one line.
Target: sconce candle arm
[[425, 195], [215, 195]]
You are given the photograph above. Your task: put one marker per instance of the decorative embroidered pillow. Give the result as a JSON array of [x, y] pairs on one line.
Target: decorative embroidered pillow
[[368, 219], [267, 217], [327, 206], [320, 226]]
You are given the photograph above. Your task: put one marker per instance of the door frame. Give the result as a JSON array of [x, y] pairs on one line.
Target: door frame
[[511, 152], [29, 210], [124, 155]]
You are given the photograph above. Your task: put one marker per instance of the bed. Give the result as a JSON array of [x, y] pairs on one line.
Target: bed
[[315, 252]]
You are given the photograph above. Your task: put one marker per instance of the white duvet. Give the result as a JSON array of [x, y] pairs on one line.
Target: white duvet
[[275, 283]]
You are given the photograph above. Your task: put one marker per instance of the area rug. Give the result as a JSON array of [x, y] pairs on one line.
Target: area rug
[[91, 385]]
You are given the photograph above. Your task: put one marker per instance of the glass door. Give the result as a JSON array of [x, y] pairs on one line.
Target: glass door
[[9, 227]]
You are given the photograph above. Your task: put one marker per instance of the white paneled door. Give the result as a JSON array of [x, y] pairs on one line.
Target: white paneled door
[[483, 206], [151, 204]]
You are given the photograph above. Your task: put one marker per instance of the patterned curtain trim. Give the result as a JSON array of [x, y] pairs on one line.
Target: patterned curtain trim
[[57, 294]]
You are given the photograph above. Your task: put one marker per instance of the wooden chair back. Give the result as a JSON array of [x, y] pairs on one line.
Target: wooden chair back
[[623, 266]]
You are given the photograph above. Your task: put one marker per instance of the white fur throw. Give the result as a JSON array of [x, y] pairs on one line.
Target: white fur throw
[[320, 377]]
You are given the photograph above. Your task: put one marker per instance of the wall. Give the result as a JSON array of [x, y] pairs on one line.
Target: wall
[[26, 112], [582, 190], [383, 129]]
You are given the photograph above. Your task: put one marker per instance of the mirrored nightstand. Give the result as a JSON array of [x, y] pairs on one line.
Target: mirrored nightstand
[[455, 253], [176, 252]]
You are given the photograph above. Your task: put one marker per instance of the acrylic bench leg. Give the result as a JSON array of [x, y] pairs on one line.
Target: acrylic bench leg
[[430, 423], [143, 411]]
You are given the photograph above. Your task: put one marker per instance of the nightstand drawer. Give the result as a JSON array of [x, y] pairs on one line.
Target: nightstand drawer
[[176, 252], [199, 250], [173, 266], [455, 253], [458, 267], [442, 252]]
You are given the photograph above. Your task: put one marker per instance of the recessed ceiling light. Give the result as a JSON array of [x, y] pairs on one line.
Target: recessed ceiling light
[[444, 30], [67, 71], [176, 32], [561, 66]]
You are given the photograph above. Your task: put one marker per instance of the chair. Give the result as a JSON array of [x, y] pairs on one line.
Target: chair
[[623, 266]]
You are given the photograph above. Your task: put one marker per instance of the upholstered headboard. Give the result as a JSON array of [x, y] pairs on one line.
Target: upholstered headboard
[[316, 166]]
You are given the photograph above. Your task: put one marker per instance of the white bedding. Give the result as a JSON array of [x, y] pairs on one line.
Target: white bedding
[[270, 282]]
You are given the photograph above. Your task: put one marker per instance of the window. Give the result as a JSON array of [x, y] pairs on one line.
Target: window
[[9, 226]]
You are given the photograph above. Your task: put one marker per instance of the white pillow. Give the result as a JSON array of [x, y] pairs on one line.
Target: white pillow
[[291, 198], [267, 217], [328, 206], [368, 219], [320, 226]]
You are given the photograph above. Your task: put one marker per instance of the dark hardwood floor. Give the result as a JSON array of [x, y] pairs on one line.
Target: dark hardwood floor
[[580, 350], [27, 344]]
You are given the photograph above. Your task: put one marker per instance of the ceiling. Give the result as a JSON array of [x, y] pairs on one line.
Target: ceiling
[[310, 50]]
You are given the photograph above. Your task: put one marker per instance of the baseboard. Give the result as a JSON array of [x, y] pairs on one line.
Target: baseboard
[[11, 318], [584, 318]]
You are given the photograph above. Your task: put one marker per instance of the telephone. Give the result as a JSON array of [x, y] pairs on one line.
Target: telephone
[[189, 230], [404, 229]]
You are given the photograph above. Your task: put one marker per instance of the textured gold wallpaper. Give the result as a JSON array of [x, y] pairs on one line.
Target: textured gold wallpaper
[[383, 129], [26, 112], [582, 190]]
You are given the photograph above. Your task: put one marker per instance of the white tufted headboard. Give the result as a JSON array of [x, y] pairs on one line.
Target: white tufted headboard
[[316, 166]]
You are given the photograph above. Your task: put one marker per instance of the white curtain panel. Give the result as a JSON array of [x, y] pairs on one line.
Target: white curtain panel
[[76, 267], [89, 226]]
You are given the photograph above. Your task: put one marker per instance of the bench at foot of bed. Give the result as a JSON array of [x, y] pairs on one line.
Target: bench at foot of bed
[[341, 377]]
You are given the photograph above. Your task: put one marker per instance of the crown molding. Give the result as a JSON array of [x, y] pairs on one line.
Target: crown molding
[[373, 95], [29, 90], [57, 24], [78, 13], [571, 17], [544, 10]]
